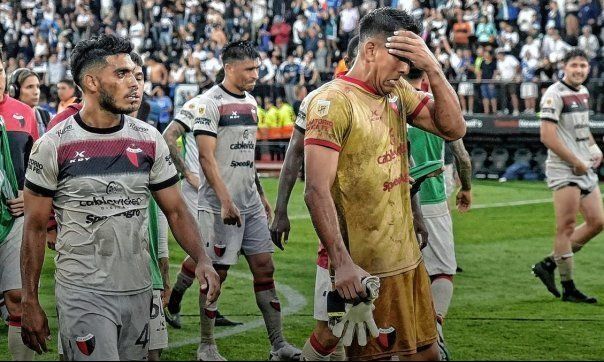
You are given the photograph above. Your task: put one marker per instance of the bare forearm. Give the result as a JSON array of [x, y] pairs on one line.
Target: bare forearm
[[32, 259], [324, 218], [210, 170], [288, 177], [416, 208], [447, 111], [463, 164], [184, 229], [171, 135], [164, 269]]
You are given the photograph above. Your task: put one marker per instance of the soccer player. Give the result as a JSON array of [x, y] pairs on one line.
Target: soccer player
[[97, 169], [19, 131], [439, 254], [280, 226], [571, 159], [232, 207], [187, 165], [357, 183]]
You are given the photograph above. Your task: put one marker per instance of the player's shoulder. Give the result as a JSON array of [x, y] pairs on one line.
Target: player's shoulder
[[307, 99], [333, 91], [139, 129]]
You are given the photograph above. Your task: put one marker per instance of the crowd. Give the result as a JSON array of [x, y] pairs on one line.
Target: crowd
[[492, 50]]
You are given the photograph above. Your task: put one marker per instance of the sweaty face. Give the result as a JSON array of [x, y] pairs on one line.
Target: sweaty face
[[388, 68], [118, 87], [30, 91], [576, 71], [244, 73]]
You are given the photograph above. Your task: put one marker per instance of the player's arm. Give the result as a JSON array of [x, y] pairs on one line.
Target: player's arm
[[464, 169], [421, 231], [171, 134], [184, 229], [163, 255], [294, 157], [595, 151], [442, 116], [263, 199]]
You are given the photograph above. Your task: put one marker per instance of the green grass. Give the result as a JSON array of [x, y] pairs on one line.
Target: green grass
[[499, 311]]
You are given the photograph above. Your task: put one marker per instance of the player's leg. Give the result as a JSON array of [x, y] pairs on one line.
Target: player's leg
[[207, 350], [135, 332], [10, 286], [258, 249], [593, 214], [158, 334], [184, 280]]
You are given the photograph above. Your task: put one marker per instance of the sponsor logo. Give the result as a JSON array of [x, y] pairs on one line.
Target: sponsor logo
[[234, 115], [35, 166], [187, 114], [80, 156], [20, 119], [523, 123], [64, 130], [243, 146], [218, 97], [219, 249], [93, 219], [168, 160], [246, 134], [389, 185], [574, 105], [132, 154], [249, 164], [386, 338], [319, 124], [203, 121], [102, 201], [392, 154], [323, 107], [136, 128], [191, 106], [86, 344], [276, 305], [474, 123], [548, 102], [114, 188]]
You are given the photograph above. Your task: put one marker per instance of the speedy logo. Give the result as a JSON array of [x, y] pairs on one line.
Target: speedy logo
[[249, 164], [386, 338], [86, 344], [132, 154], [389, 185], [92, 219]]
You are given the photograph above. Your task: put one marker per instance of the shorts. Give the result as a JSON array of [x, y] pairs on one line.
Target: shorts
[[98, 327], [405, 316], [465, 89], [439, 254], [158, 334], [450, 185], [488, 91], [190, 194], [224, 243], [528, 90], [323, 285], [509, 88], [10, 258], [558, 178]]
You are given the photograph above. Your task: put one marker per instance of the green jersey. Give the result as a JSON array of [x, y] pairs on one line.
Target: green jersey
[[156, 278], [428, 147]]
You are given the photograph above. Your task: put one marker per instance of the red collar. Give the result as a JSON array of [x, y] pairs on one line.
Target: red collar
[[361, 84]]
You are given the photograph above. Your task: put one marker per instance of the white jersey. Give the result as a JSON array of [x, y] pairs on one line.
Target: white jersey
[[301, 117], [186, 116]]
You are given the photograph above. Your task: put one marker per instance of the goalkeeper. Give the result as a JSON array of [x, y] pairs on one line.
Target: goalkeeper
[[357, 188]]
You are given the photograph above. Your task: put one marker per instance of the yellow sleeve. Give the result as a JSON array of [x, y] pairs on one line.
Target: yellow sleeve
[[328, 120], [412, 100]]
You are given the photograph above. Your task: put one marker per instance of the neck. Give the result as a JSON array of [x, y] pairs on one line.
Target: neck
[[567, 81], [367, 77], [415, 83], [94, 116], [2, 97], [230, 86]]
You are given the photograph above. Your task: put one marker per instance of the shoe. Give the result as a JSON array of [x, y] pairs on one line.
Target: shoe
[[459, 269], [287, 352], [208, 352], [546, 274], [442, 347], [222, 321], [575, 296], [515, 113], [173, 319]]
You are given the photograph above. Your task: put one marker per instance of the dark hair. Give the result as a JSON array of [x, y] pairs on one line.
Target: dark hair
[[136, 59], [352, 50], [219, 76], [70, 83], [239, 50], [385, 21], [94, 51], [414, 73], [574, 53]]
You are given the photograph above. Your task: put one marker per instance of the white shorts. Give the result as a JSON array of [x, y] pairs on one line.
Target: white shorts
[[439, 254], [323, 286], [528, 90], [158, 334], [190, 194], [449, 180], [559, 177], [465, 89], [224, 243], [10, 258]]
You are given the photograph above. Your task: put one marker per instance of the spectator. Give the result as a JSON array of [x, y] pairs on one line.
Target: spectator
[[588, 13], [26, 88], [264, 36], [137, 34], [508, 37], [349, 20], [331, 29], [281, 33], [66, 91], [461, 31], [161, 108], [157, 73], [485, 31], [528, 88], [309, 75], [554, 19], [508, 72], [553, 47], [299, 29], [211, 66], [527, 18], [487, 69], [589, 44], [290, 69]]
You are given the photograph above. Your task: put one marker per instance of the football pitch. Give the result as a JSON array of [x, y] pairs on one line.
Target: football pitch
[[499, 310]]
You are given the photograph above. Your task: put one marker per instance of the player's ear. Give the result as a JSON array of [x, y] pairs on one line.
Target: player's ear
[[370, 50], [90, 82]]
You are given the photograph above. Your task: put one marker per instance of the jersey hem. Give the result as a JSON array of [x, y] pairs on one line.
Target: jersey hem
[[396, 271], [204, 133], [187, 129]]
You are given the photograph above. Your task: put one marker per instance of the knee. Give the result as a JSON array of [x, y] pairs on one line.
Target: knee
[[566, 227], [429, 353], [12, 299], [263, 267]]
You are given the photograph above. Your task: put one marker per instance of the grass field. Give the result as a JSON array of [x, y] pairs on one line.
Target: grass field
[[499, 310]]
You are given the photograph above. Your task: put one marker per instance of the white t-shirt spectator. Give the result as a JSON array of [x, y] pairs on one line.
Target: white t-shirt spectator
[[589, 44], [509, 40], [527, 18], [211, 67], [349, 19], [530, 50], [299, 27], [508, 67]]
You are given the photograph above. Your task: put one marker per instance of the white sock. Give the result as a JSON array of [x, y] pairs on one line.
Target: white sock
[[442, 292]]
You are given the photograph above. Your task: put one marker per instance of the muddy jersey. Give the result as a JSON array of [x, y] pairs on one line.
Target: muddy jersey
[[371, 188], [233, 120], [100, 181]]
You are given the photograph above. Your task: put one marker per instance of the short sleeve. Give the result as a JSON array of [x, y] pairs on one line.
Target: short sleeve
[[328, 120], [551, 106], [163, 173], [206, 118], [301, 116], [412, 100], [42, 168]]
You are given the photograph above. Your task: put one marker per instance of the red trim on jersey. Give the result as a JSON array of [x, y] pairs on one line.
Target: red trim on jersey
[[71, 110], [318, 142], [104, 148], [419, 107], [260, 287], [14, 321], [360, 83]]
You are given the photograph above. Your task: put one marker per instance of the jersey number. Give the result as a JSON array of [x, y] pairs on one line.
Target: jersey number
[[143, 339]]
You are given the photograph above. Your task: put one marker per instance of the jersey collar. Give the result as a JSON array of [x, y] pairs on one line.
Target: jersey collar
[[240, 96], [569, 86], [90, 129], [359, 83]]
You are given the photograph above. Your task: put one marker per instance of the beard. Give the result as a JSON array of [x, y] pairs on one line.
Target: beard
[[108, 103]]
